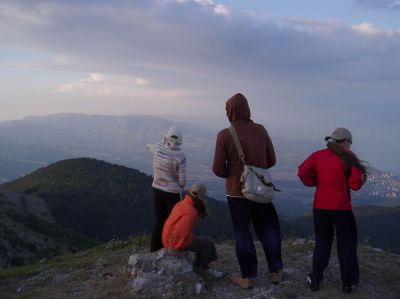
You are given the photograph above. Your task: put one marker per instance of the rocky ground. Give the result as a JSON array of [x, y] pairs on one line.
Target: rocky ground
[[104, 272]]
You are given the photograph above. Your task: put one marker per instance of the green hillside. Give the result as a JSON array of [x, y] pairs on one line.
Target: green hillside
[[377, 226], [105, 201], [28, 232]]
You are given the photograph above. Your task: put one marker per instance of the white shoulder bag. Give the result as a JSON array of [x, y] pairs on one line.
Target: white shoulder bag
[[256, 182]]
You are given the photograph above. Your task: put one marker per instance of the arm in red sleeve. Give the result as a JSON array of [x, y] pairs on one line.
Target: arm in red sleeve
[[307, 173], [355, 180], [219, 164]]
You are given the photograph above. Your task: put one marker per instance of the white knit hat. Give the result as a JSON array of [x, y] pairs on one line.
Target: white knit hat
[[174, 131]]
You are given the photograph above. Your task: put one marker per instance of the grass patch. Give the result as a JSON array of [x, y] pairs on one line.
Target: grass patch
[[15, 272], [83, 259]]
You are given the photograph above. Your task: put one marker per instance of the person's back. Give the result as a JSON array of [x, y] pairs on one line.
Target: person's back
[[169, 164], [178, 228], [255, 141], [169, 178], [178, 232], [259, 152], [334, 171]]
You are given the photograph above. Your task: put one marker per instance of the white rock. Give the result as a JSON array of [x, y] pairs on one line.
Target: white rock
[[134, 259], [161, 253], [199, 287], [139, 283]]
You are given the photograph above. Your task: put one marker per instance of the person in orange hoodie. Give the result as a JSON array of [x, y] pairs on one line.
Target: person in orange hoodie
[[178, 230]]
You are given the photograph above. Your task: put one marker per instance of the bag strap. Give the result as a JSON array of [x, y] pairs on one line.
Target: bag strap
[[242, 156], [237, 143]]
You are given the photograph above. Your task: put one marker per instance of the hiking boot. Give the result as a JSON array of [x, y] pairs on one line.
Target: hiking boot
[[276, 277], [245, 283], [347, 289], [314, 286]]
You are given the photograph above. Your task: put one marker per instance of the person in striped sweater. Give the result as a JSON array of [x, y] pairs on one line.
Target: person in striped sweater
[[169, 178]]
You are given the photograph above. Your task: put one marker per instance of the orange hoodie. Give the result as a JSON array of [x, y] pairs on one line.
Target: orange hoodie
[[178, 229]]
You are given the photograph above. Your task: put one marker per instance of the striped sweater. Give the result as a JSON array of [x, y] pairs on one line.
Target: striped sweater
[[169, 167]]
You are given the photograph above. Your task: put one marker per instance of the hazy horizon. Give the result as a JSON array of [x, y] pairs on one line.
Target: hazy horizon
[[212, 128]]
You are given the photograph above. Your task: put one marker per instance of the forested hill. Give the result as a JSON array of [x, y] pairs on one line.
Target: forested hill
[[377, 226], [28, 231], [105, 201]]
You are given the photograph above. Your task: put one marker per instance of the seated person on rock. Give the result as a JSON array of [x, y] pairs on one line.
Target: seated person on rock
[[178, 230]]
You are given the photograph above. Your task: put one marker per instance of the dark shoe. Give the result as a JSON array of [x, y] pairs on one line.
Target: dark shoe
[[347, 289], [276, 277], [314, 286]]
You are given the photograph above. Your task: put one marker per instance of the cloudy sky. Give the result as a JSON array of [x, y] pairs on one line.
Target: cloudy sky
[[306, 67]]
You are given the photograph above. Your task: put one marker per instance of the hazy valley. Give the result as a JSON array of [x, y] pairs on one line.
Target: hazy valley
[[38, 141]]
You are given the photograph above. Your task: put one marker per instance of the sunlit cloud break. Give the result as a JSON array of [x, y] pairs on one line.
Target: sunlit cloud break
[[116, 86], [370, 29], [97, 84], [218, 9]]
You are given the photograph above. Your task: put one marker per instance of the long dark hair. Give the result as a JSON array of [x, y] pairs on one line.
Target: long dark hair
[[199, 204], [348, 158]]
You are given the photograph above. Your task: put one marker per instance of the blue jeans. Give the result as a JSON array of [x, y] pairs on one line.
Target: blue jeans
[[344, 223], [266, 226]]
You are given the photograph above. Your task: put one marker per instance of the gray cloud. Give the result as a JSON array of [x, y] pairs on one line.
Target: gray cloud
[[166, 36], [391, 4], [297, 73]]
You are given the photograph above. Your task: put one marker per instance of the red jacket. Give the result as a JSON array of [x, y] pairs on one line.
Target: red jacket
[[255, 141], [324, 169], [178, 229]]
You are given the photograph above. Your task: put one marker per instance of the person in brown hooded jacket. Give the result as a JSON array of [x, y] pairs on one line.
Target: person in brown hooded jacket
[[259, 151]]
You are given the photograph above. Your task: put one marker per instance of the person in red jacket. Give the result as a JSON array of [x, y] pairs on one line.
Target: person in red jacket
[[178, 230], [334, 171], [259, 152]]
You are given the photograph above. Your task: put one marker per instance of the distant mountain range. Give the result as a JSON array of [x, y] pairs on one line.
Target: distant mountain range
[[38, 141], [35, 142]]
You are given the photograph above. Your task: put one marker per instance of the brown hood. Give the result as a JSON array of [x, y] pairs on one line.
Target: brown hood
[[237, 108]]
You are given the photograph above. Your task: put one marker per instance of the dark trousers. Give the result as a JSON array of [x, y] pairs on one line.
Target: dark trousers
[[204, 250], [163, 204], [325, 223], [266, 226]]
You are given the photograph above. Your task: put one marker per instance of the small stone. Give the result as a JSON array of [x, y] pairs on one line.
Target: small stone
[[135, 272], [199, 287], [291, 270], [161, 253], [134, 259], [148, 266], [139, 284], [299, 241]]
